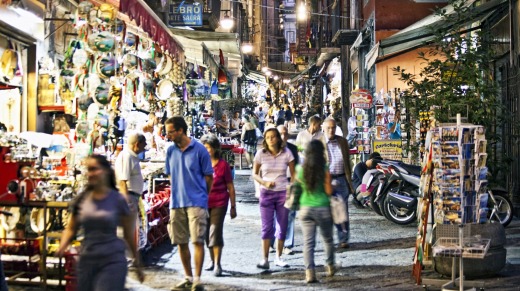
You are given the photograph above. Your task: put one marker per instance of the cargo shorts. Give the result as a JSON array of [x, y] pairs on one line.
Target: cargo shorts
[[188, 223]]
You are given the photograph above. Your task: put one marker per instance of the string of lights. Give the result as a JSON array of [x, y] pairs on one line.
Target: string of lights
[[286, 11]]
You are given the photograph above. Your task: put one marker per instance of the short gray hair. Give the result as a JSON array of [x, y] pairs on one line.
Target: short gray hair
[[213, 142], [135, 138]]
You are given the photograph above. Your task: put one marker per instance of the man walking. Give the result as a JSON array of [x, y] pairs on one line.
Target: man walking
[[312, 132], [289, 237], [188, 165], [130, 180], [340, 172], [261, 118]]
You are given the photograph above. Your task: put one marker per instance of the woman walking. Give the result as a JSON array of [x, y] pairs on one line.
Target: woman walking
[[99, 210], [249, 139], [315, 208], [222, 191], [270, 171]]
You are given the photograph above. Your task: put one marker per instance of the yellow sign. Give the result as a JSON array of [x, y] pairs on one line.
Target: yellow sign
[[389, 149]]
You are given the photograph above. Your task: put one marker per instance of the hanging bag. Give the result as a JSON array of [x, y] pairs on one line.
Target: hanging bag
[[338, 209], [293, 195]]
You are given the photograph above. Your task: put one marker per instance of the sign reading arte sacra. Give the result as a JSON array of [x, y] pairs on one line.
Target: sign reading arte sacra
[[185, 13]]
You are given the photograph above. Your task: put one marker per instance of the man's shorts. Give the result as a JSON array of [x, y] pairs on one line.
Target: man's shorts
[[188, 223]]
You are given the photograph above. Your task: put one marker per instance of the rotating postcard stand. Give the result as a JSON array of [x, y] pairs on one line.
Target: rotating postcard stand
[[458, 184]]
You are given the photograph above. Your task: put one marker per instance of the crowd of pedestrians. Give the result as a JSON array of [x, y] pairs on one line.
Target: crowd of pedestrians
[[202, 192]]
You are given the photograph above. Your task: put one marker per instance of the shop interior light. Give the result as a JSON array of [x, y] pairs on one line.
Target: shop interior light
[[227, 22], [275, 77], [247, 48], [286, 81], [301, 13], [265, 69], [268, 73]]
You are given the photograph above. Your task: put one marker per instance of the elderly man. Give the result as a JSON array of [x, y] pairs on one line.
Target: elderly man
[[129, 178], [223, 125], [340, 172]]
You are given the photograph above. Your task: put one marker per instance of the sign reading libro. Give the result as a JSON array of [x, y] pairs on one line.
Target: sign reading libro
[[185, 13], [389, 149]]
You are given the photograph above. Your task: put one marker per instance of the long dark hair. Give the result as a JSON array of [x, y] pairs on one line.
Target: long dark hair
[[105, 165], [278, 135], [313, 164]]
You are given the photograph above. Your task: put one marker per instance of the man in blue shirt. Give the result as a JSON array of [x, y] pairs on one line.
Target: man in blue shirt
[[394, 128], [188, 165]]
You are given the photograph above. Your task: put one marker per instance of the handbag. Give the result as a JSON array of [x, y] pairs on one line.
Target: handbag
[[338, 209], [292, 196], [258, 133]]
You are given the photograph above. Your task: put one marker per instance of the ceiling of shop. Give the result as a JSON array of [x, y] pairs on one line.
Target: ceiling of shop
[[192, 40]]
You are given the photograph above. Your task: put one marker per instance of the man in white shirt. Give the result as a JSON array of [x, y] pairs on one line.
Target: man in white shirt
[[312, 132], [128, 173], [261, 118]]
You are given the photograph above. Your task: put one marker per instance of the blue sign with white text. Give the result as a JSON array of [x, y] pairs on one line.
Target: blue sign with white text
[[184, 13]]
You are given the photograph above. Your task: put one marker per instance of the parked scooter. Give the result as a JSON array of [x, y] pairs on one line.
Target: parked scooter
[[398, 195]]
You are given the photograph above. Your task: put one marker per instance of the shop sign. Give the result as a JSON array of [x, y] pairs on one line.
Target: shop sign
[[184, 13], [303, 41], [361, 99], [389, 149]]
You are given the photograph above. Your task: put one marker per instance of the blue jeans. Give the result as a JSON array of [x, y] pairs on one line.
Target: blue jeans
[[310, 218], [344, 228]]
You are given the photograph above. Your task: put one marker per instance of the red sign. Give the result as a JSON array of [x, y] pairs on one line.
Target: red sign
[[361, 98]]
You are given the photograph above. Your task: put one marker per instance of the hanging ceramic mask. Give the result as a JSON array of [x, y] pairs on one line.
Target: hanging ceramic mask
[[107, 67], [103, 41], [130, 39], [102, 95], [84, 7], [130, 61], [165, 88], [84, 102], [80, 57], [106, 12]]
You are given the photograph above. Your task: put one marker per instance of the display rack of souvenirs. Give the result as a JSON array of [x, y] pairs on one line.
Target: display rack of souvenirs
[[362, 130], [459, 182]]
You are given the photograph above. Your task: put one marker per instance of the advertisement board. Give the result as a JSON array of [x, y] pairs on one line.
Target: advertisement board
[[389, 148], [185, 13]]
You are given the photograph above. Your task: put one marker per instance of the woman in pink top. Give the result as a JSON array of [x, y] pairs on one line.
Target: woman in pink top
[[221, 192]]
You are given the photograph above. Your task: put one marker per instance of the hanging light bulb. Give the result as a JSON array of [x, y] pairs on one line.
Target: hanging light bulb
[[226, 22], [247, 48], [268, 73], [301, 14], [265, 69]]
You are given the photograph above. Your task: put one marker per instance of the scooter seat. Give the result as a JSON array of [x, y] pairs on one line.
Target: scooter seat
[[413, 170]]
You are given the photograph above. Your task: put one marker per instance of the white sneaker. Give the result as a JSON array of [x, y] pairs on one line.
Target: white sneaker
[[281, 263], [288, 251]]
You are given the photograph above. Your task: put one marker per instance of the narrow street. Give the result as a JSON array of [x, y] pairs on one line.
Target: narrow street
[[380, 256]]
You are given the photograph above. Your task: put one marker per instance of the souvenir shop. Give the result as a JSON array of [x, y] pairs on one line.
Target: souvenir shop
[[109, 71]]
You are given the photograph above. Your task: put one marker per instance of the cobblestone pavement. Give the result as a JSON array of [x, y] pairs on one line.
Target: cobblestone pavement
[[380, 257]]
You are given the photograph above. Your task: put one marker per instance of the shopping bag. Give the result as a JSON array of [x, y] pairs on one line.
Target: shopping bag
[[292, 196], [338, 209], [258, 133]]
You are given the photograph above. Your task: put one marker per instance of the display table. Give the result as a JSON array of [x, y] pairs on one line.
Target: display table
[[26, 258]]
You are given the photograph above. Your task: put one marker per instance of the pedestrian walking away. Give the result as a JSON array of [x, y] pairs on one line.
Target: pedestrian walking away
[[130, 182], [98, 210], [249, 140], [221, 192], [315, 179], [188, 165], [270, 171], [340, 171], [289, 237], [261, 118]]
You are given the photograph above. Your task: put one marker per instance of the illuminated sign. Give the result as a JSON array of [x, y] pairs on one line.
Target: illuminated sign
[[184, 13]]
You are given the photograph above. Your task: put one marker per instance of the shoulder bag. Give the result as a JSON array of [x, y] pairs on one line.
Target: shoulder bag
[[338, 209], [292, 196]]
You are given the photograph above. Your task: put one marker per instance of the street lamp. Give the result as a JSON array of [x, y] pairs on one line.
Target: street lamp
[[226, 22], [301, 13], [247, 48]]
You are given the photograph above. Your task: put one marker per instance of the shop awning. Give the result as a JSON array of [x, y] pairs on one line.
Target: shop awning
[[192, 41], [146, 18], [256, 77], [327, 54], [420, 33], [302, 73]]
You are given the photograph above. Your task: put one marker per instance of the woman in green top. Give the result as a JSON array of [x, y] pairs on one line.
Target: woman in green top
[[315, 208]]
